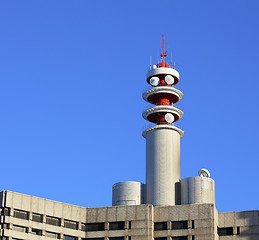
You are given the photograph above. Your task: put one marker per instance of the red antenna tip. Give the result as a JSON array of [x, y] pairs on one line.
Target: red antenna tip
[[164, 54]]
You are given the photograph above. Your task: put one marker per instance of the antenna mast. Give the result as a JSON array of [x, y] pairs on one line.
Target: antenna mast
[[171, 59], [164, 54]]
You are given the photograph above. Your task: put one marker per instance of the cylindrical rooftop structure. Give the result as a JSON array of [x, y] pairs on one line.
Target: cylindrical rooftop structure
[[197, 190], [127, 193]]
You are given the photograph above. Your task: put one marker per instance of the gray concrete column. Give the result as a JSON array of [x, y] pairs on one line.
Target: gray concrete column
[[162, 166]]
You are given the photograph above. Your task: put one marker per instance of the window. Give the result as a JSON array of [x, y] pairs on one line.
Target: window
[[20, 214], [193, 237], [36, 231], [5, 212], [116, 226], [193, 226], [19, 228], [160, 226], [129, 224], [70, 224], [69, 238], [116, 238], [5, 226], [92, 227], [92, 238], [238, 230], [179, 225], [225, 231], [52, 221], [52, 235], [180, 238], [36, 217], [83, 227]]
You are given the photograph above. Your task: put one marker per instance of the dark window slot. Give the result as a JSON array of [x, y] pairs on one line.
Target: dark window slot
[[88, 227], [52, 221], [160, 226], [179, 225], [70, 224], [92, 238], [51, 234], [180, 238], [116, 238], [66, 237], [83, 227], [20, 214], [116, 226], [5, 226], [36, 231], [5, 212], [225, 231], [36, 217], [20, 228]]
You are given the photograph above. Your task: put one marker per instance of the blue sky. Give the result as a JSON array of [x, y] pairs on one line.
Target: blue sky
[[72, 75]]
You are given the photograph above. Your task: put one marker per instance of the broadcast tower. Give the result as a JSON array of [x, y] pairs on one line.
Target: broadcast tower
[[163, 139]]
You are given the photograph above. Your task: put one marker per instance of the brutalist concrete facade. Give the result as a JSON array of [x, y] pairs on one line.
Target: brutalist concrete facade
[[27, 217]]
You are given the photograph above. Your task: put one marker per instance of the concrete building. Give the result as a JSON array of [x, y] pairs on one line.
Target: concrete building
[[166, 207], [28, 217]]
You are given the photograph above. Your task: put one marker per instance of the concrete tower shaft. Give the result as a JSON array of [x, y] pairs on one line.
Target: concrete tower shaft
[[162, 139], [162, 166]]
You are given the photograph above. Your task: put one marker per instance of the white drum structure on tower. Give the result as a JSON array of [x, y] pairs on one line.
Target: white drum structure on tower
[[162, 139], [198, 189], [127, 193]]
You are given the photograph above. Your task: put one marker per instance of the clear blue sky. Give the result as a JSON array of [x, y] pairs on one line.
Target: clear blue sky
[[71, 80]]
